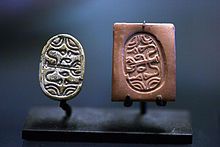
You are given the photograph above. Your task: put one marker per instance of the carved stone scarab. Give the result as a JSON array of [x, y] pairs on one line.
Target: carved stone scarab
[[62, 67], [143, 62]]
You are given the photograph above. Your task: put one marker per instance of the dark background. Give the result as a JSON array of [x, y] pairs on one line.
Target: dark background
[[26, 25]]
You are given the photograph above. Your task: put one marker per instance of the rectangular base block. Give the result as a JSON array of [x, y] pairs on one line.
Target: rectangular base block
[[108, 125]]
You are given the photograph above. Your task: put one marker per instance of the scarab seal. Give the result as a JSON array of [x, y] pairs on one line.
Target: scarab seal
[[62, 67], [143, 62]]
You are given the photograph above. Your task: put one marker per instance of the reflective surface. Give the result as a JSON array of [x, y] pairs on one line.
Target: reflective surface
[[115, 125]]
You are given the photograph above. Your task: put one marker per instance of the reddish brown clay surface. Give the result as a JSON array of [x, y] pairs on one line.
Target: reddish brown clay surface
[[144, 62]]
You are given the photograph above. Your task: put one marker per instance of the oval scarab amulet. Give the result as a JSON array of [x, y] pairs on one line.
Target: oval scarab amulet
[[62, 67]]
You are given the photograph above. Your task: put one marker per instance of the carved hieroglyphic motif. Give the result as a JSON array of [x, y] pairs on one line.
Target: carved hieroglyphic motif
[[143, 62], [62, 67]]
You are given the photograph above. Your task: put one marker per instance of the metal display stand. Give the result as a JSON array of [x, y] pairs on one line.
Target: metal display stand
[[121, 125]]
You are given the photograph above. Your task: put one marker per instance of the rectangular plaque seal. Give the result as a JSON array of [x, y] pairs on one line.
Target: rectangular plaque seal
[[144, 62]]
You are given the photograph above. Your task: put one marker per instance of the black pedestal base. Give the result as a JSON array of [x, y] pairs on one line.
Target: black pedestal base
[[108, 125]]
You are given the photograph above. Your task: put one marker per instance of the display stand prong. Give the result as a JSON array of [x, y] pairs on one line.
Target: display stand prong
[[128, 102], [143, 25], [143, 108], [66, 108], [160, 101]]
